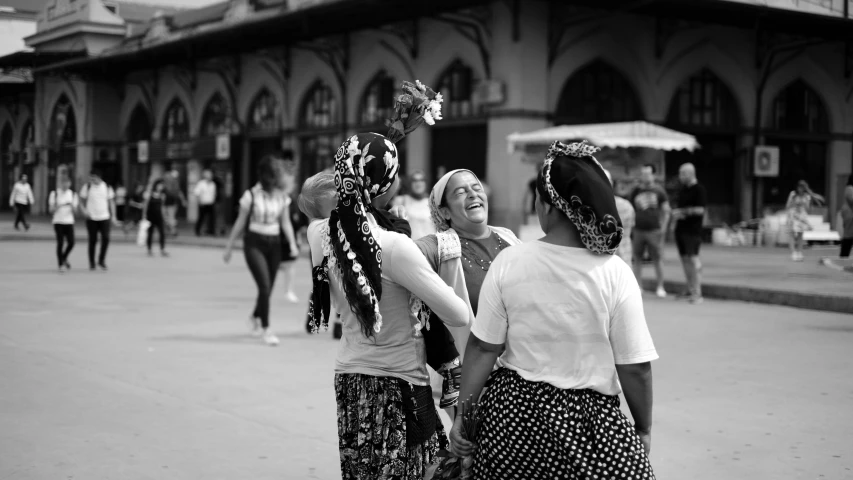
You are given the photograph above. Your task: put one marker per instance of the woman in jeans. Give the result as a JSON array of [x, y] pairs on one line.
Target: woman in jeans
[[152, 211], [63, 203], [264, 214]]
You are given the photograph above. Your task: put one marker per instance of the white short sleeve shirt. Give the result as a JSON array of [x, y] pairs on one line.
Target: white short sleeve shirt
[[97, 198], [566, 315]]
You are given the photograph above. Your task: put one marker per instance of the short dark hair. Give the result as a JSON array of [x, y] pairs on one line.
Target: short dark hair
[[649, 165], [95, 172], [267, 174]]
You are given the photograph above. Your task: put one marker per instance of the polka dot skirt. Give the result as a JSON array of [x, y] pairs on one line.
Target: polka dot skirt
[[534, 430]]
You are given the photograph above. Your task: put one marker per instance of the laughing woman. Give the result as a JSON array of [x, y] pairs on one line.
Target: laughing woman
[[568, 316]]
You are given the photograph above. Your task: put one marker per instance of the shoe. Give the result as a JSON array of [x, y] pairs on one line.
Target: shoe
[[27, 228], [150, 253], [696, 300], [103, 266], [450, 386], [660, 292], [683, 296], [164, 253], [255, 326], [291, 297], [67, 265], [270, 338], [800, 257], [62, 269], [91, 268]]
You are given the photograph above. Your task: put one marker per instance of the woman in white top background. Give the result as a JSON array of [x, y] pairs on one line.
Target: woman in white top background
[[264, 217], [416, 203], [565, 316], [62, 203], [21, 199]]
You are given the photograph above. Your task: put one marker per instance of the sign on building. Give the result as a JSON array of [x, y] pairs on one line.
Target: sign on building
[[766, 161], [223, 146], [142, 151]]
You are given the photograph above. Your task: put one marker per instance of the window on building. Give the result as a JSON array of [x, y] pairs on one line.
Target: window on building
[[703, 100], [64, 123], [377, 102], [264, 114], [139, 127], [6, 139], [176, 125], [799, 109], [319, 109], [597, 93], [456, 85], [216, 118]]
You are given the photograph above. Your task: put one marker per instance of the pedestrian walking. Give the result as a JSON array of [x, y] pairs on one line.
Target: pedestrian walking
[[206, 193], [651, 205], [62, 203], [566, 319], [98, 205], [263, 210], [153, 212], [135, 205], [689, 217], [174, 199], [628, 217], [798, 205], [416, 203], [21, 199]]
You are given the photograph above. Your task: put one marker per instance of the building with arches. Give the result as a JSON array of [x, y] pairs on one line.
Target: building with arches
[[222, 86]]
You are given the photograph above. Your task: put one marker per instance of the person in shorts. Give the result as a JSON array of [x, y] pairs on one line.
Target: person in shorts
[[651, 206], [688, 229]]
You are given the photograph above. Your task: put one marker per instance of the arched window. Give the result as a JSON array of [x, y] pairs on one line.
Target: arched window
[[319, 108], [63, 124], [6, 139], [139, 127], [217, 117], [597, 93], [176, 123], [264, 114], [799, 109], [377, 102], [456, 85], [703, 100]]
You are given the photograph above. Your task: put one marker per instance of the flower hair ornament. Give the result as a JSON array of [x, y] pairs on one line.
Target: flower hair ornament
[[366, 167], [587, 196]]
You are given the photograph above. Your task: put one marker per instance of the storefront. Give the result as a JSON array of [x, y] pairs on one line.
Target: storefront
[[461, 139]]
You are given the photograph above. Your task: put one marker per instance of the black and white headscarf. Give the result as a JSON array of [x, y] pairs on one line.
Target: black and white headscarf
[[573, 181]]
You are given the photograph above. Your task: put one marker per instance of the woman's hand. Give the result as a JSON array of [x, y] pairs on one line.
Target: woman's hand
[[294, 251], [458, 445], [399, 211], [226, 257]]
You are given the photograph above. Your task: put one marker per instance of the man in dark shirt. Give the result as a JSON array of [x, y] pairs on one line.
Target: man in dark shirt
[[688, 228], [652, 216]]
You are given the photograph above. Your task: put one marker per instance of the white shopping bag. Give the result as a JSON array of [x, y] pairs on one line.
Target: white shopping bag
[[142, 236]]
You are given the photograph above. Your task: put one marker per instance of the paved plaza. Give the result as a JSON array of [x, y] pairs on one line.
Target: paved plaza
[[147, 372]]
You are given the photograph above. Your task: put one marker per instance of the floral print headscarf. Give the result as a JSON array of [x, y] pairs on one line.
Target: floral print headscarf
[[366, 166], [575, 183]]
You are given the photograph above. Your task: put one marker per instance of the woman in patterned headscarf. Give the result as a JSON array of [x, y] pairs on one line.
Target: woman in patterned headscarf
[[387, 424], [565, 316]]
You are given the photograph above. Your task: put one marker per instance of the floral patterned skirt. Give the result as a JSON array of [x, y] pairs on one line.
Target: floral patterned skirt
[[536, 430], [372, 431]]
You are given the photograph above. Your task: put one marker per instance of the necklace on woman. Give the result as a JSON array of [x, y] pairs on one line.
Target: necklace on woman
[[483, 264]]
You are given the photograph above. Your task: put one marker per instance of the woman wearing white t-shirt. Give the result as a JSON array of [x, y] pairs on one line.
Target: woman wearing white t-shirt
[[63, 203], [263, 217], [563, 318]]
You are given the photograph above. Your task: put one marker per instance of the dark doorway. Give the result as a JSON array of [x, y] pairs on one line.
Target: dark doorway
[[459, 147]]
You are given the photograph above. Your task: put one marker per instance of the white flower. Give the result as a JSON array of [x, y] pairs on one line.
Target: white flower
[[434, 108], [438, 98], [428, 118], [420, 86]]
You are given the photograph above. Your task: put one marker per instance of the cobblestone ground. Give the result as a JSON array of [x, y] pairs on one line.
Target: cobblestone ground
[[147, 372]]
